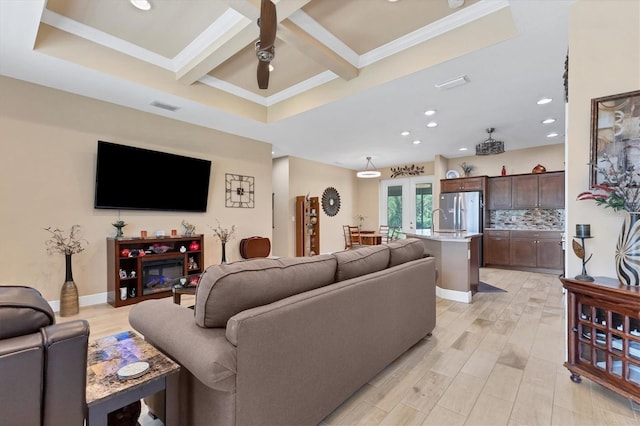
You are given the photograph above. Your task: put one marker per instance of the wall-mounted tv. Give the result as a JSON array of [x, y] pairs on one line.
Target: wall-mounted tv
[[132, 178]]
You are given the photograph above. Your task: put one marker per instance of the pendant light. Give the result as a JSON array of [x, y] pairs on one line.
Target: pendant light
[[369, 171], [490, 146]]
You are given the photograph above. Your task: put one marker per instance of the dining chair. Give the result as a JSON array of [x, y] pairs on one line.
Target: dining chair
[[351, 237], [384, 231]]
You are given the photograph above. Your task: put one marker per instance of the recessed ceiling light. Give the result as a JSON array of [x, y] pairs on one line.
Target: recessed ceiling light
[[141, 4], [430, 112], [405, 133], [432, 124], [544, 101], [552, 135], [463, 149], [417, 142], [548, 121]]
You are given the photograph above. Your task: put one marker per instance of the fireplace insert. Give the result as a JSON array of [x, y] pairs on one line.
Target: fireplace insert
[[161, 274]]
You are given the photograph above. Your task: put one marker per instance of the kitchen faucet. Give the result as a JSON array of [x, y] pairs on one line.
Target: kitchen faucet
[[432, 224]]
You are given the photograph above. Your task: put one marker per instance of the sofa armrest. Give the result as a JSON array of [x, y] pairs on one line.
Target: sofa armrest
[[66, 372], [205, 352]]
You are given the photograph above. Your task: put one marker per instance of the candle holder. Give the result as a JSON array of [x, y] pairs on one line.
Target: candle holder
[[578, 249]]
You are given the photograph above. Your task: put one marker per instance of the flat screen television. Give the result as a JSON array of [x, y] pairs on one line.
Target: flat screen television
[[141, 179]]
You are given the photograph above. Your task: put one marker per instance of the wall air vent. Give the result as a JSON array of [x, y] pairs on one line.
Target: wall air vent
[[164, 106], [454, 82]]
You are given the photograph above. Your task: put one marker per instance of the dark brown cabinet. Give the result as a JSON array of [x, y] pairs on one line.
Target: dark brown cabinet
[[149, 267], [307, 226], [528, 250], [537, 249], [545, 190], [499, 193], [551, 190], [496, 247], [603, 334], [478, 183]]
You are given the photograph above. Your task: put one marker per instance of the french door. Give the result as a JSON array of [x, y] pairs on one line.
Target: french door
[[406, 203]]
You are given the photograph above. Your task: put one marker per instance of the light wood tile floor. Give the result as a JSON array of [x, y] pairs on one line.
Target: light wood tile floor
[[496, 361]]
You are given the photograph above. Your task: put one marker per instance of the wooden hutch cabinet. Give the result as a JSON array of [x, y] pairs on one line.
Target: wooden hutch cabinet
[[603, 334], [149, 267], [307, 226]]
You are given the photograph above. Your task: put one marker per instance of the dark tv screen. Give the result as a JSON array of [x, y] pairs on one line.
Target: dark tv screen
[[141, 179]]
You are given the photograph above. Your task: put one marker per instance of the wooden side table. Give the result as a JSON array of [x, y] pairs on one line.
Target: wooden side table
[[107, 393], [179, 291]]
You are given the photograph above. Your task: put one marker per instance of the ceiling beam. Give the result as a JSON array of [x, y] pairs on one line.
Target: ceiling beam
[[294, 35]]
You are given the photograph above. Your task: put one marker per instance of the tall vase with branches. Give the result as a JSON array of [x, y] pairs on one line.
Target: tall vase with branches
[[620, 191], [67, 245], [224, 235]]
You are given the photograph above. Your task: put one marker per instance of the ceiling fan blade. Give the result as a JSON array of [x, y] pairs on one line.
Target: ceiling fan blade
[[263, 75], [268, 24], [265, 50]]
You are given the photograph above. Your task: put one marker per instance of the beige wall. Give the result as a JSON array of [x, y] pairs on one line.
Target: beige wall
[[283, 242], [516, 161], [309, 177], [47, 172], [604, 59]]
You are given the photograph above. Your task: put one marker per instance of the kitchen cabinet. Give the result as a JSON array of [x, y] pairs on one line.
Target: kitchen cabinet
[[524, 249], [478, 183], [537, 249], [499, 193], [496, 247], [545, 190], [603, 334]]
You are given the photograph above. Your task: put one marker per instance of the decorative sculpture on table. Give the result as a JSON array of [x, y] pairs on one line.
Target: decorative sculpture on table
[[189, 229], [119, 225], [582, 232]]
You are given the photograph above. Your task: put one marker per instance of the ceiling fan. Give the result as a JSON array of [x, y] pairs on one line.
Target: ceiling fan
[[265, 49]]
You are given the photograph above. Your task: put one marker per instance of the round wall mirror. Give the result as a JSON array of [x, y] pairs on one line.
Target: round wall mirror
[[330, 201]]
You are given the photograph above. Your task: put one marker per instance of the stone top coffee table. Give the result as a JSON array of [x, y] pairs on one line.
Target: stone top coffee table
[[107, 393]]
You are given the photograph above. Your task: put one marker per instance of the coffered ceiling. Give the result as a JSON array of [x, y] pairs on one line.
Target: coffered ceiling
[[349, 75]]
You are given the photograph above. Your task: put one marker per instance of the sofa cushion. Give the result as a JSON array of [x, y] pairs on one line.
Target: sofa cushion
[[23, 310], [365, 260], [225, 290], [401, 251]]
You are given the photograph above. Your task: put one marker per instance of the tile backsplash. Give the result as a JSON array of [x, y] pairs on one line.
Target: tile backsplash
[[551, 219]]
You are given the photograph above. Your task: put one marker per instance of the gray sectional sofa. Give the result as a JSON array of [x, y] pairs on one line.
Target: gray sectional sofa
[[286, 341]]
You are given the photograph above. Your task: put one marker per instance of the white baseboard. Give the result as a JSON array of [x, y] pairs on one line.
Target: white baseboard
[[457, 296], [92, 299]]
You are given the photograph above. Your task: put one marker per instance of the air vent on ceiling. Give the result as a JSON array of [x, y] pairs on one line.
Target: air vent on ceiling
[[164, 106], [454, 82]]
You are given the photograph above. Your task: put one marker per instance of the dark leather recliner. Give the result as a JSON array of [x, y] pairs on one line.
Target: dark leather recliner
[[43, 365]]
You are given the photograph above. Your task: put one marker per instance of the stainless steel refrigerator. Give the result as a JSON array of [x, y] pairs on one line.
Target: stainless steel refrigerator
[[462, 211]]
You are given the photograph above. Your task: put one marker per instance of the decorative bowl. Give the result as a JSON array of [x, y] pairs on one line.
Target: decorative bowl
[[159, 249]]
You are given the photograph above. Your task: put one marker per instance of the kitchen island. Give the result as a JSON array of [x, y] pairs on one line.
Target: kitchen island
[[457, 261]]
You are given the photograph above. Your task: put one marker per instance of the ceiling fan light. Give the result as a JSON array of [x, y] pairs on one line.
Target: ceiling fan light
[[141, 4], [369, 171]]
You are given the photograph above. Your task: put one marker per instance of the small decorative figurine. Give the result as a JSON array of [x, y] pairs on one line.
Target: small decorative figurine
[[189, 229], [119, 225]]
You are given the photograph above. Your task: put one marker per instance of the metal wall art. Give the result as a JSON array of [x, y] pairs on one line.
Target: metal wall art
[[412, 170]]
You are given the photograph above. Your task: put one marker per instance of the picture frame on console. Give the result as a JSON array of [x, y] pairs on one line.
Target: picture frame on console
[[615, 132]]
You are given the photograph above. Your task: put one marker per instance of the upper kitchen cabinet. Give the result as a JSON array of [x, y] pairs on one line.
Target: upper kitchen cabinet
[[545, 190], [499, 196], [478, 183]]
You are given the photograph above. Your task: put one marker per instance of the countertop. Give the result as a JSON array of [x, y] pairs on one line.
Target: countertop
[[506, 228], [457, 237]]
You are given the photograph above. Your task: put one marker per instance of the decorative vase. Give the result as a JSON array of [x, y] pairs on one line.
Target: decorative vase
[[224, 253], [628, 250], [69, 293]]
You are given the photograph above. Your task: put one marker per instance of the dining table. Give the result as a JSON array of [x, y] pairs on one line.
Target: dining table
[[371, 238]]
